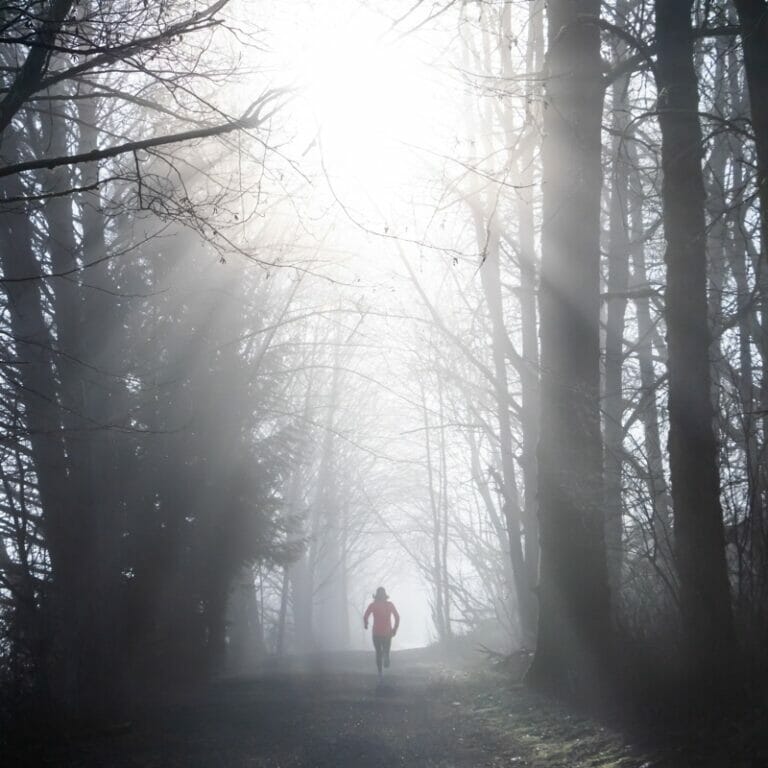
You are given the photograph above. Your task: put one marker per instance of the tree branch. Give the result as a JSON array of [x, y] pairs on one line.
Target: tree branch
[[252, 118], [29, 77]]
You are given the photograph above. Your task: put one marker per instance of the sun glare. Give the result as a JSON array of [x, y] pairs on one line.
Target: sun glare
[[365, 89]]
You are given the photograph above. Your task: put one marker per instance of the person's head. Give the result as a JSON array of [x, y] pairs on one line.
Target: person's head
[[381, 594]]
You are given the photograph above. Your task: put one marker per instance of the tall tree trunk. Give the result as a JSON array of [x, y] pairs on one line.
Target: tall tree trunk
[[281, 617], [528, 293], [715, 182], [244, 629], [100, 321], [332, 631], [437, 572], [613, 394], [699, 539], [300, 573], [303, 592], [574, 610]]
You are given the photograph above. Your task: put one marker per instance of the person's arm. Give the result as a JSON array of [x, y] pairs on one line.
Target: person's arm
[[367, 614], [397, 619]]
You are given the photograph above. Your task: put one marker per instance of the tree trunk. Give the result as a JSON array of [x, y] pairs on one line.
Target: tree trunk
[[302, 591], [660, 516], [284, 589], [436, 567], [528, 292], [616, 306], [699, 540], [574, 611], [244, 628]]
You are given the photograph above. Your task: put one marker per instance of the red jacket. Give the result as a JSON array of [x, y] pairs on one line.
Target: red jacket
[[382, 611]]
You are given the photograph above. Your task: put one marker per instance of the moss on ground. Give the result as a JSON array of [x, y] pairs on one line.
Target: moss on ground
[[546, 734]]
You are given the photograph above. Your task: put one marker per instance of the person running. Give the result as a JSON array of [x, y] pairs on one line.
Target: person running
[[382, 611]]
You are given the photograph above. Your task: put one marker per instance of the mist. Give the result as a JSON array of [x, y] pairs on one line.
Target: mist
[[386, 379]]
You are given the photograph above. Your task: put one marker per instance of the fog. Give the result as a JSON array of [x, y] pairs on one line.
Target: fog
[[462, 300], [368, 243]]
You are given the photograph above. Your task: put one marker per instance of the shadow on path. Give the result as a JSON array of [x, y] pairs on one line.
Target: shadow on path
[[311, 712]]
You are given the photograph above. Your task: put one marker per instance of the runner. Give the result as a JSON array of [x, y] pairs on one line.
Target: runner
[[383, 631]]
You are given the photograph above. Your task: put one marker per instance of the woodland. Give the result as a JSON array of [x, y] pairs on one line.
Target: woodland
[[465, 297]]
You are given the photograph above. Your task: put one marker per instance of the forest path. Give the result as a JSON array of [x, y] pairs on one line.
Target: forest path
[[329, 712]]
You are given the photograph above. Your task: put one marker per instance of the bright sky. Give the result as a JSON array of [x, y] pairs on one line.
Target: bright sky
[[370, 99]]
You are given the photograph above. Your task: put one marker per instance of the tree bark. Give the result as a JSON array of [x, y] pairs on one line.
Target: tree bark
[[574, 611], [528, 295], [698, 535]]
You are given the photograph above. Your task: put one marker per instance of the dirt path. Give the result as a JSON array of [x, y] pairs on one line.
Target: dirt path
[[325, 712], [330, 712]]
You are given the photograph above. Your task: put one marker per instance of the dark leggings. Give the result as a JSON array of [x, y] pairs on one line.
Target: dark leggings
[[381, 644]]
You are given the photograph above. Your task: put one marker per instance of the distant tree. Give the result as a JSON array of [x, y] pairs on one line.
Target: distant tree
[[616, 284], [753, 21]]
